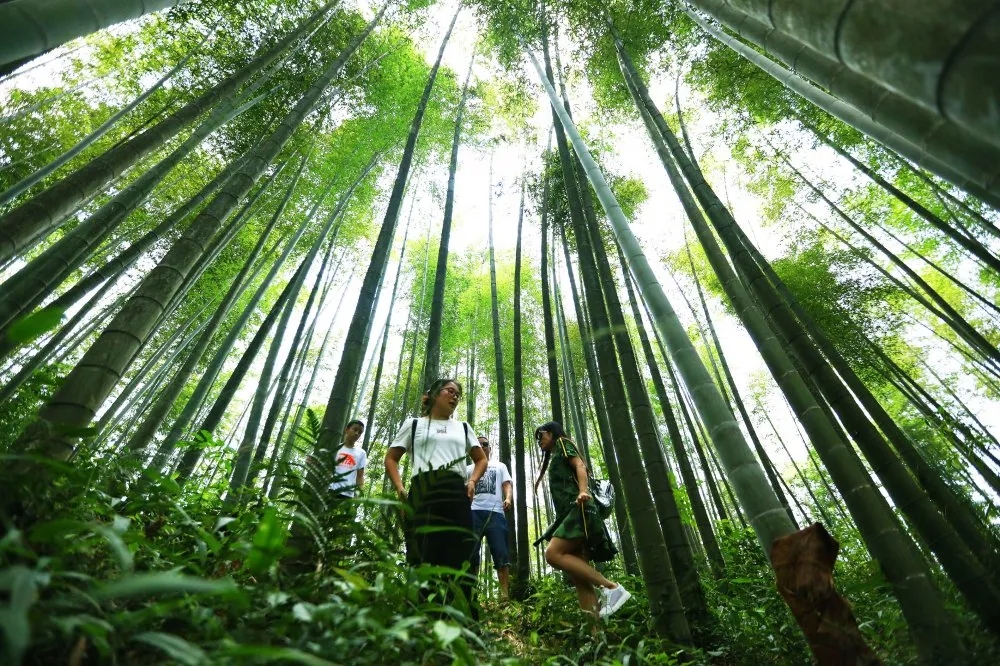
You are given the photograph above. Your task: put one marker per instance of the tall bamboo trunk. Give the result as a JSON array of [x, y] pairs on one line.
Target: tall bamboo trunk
[[918, 596], [28, 366], [968, 242], [158, 410], [31, 27], [647, 432], [501, 373], [29, 181], [758, 499], [243, 457], [49, 208], [432, 354], [960, 521], [335, 416], [376, 391], [115, 266], [921, 291], [283, 412], [292, 367], [629, 552], [666, 610], [211, 372], [798, 472], [571, 397], [42, 275], [937, 58], [978, 178], [93, 378], [722, 512], [945, 196], [112, 415], [277, 470], [245, 452], [202, 265], [895, 114], [766, 514], [186, 466], [211, 421], [405, 402], [772, 474], [701, 519], [550, 344], [522, 567]]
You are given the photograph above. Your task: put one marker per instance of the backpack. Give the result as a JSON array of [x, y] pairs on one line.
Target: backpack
[[601, 491], [604, 496]]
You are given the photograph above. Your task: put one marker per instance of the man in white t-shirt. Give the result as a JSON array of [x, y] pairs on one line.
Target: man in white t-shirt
[[493, 498], [351, 461]]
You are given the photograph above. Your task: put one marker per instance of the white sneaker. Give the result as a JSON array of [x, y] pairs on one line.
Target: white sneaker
[[613, 600]]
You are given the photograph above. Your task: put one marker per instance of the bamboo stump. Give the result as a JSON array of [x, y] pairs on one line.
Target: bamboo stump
[[803, 562]]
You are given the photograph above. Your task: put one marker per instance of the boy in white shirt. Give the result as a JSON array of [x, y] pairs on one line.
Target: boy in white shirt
[[351, 461]]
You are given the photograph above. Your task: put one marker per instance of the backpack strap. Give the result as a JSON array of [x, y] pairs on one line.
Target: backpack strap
[[583, 511], [465, 427], [572, 469], [566, 456], [590, 478], [413, 436]]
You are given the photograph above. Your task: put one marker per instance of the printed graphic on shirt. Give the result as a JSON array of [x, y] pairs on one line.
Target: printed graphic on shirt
[[488, 482], [489, 488], [348, 461]]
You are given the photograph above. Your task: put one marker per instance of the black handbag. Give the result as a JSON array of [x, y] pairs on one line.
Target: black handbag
[[599, 543]]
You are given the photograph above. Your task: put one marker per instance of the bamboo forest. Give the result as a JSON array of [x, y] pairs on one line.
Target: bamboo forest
[[731, 266]]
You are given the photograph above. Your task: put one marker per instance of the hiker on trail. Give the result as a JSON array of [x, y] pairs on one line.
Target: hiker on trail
[[351, 461], [577, 522], [440, 490], [494, 494]]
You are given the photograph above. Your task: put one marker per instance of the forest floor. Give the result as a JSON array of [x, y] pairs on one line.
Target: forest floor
[[173, 576]]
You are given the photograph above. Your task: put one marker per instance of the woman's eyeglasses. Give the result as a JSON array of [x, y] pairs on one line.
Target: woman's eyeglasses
[[452, 390]]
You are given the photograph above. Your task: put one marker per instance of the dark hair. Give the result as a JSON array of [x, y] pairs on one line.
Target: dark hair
[[355, 422], [552, 426], [558, 433], [432, 392]]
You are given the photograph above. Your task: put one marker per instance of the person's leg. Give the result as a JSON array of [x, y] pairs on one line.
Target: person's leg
[[565, 555], [586, 595], [496, 537], [416, 517], [479, 523], [448, 523], [468, 545], [453, 545], [503, 577]]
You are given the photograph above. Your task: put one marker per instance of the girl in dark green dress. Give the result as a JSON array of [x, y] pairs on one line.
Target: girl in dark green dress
[[577, 519]]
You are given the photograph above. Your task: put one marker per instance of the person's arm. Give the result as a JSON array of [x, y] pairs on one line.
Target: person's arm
[[508, 495], [478, 469], [361, 478], [581, 479], [392, 458]]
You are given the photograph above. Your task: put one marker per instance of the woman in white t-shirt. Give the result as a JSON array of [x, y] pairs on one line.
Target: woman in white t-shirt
[[440, 494]]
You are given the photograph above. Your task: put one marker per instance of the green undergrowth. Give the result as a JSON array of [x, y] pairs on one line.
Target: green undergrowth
[[106, 564]]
